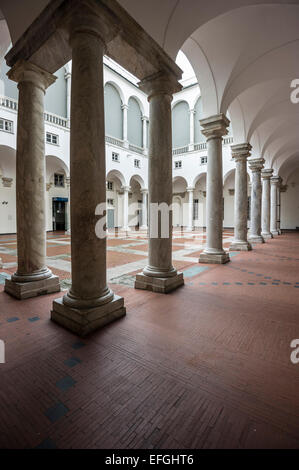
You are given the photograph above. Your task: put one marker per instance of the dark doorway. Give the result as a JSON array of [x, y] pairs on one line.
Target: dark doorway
[[59, 213]]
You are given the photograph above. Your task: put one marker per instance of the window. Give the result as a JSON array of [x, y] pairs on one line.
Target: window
[[115, 157], [58, 180], [110, 202], [51, 138], [203, 160], [6, 125], [110, 185], [178, 164], [136, 163], [195, 209]]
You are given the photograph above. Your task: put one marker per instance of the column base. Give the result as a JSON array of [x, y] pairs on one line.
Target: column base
[[266, 236], [275, 233], [214, 258], [84, 321], [162, 285], [25, 290], [1, 264], [240, 246], [256, 239]]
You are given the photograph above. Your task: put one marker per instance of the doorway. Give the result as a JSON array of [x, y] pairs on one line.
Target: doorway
[[59, 213]]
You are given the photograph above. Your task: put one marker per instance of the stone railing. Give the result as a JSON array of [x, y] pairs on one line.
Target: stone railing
[[114, 141], [198, 147], [201, 146], [54, 119], [8, 103], [180, 150], [136, 149]]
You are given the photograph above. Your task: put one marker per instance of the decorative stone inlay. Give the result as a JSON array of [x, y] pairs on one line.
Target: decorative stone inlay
[[7, 182]]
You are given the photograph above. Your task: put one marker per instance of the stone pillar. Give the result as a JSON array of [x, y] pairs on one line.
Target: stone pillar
[[160, 275], [32, 277], [144, 209], [266, 175], [275, 180], [125, 108], [191, 138], [256, 165], [240, 153], [126, 190], [144, 132], [279, 205], [190, 209], [214, 128], [89, 304], [68, 78], [68, 214]]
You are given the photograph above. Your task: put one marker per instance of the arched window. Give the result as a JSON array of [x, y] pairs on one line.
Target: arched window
[[198, 136], [113, 112], [134, 123], [180, 125]]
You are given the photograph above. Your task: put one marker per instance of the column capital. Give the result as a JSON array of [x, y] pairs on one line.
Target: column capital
[[85, 19], [192, 111], [267, 173], [256, 164], [190, 189], [68, 181], [24, 71], [144, 117], [144, 191], [240, 152], [161, 83], [214, 126], [275, 180], [124, 106], [126, 188]]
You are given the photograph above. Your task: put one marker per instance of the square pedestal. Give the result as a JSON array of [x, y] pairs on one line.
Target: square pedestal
[[159, 284], [82, 322], [25, 290], [266, 236], [239, 246], [210, 258], [257, 239], [275, 233]]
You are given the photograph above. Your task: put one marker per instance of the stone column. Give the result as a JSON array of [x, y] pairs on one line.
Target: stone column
[[191, 138], [125, 108], [275, 180], [256, 165], [126, 190], [144, 132], [32, 277], [160, 275], [279, 205], [144, 209], [266, 175], [214, 128], [68, 214], [68, 78], [89, 304], [190, 209], [240, 153]]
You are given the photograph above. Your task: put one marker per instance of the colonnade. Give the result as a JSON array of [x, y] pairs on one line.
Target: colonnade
[[90, 303]]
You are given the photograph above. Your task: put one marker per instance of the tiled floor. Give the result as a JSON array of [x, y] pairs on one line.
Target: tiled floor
[[206, 366]]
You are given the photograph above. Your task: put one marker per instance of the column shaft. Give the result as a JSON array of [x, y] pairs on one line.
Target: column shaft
[[89, 304], [32, 277], [126, 209], [214, 128], [273, 223], [160, 275], [266, 175], [190, 208], [256, 166], [240, 154], [144, 209]]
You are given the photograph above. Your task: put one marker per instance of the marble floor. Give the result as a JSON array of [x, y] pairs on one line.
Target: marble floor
[[207, 366]]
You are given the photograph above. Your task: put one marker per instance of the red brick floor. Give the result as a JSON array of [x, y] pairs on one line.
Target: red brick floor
[[207, 366]]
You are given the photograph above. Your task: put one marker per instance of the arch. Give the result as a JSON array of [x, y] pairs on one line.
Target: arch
[[199, 177], [180, 124], [7, 161], [54, 164], [113, 110], [135, 125], [180, 179], [227, 175], [116, 174], [139, 180]]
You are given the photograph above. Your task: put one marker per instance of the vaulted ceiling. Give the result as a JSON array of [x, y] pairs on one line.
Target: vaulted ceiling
[[244, 54]]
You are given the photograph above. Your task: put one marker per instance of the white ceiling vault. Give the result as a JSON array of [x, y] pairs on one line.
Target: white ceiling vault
[[244, 54]]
